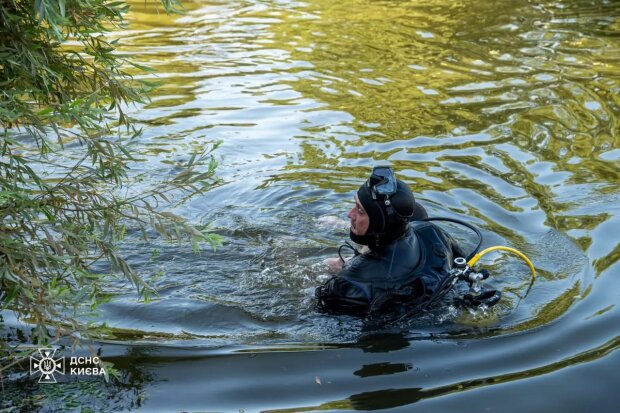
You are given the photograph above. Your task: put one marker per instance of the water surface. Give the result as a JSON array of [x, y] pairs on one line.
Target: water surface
[[502, 113]]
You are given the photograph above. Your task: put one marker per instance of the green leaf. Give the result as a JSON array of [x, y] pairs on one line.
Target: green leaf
[[61, 218]]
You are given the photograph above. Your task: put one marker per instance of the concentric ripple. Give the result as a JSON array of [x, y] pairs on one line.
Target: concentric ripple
[[502, 113]]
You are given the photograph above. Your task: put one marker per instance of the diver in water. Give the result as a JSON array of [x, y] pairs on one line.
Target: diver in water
[[406, 261]]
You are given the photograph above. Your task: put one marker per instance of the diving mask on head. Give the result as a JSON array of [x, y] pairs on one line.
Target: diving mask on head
[[382, 182], [389, 204]]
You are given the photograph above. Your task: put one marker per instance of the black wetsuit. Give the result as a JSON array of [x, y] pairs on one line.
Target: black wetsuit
[[409, 269]]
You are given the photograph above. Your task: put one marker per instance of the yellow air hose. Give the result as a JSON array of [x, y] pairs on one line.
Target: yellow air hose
[[476, 257]]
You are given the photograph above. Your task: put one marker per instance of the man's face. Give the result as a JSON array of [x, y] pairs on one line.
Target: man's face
[[359, 218]]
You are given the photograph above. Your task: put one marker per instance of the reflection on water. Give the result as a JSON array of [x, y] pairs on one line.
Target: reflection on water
[[502, 113], [505, 119], [388, 398]]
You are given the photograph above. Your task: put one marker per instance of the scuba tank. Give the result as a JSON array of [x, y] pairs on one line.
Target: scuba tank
[[462, 270]]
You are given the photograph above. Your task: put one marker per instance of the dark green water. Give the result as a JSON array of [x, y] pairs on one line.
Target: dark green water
[[504, 113]]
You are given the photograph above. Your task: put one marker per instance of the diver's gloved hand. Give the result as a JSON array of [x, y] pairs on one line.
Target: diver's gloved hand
[[488, 298], [334, 265]]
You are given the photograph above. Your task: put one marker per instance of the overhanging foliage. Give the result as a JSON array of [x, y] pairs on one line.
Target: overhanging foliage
[[61, 81]]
